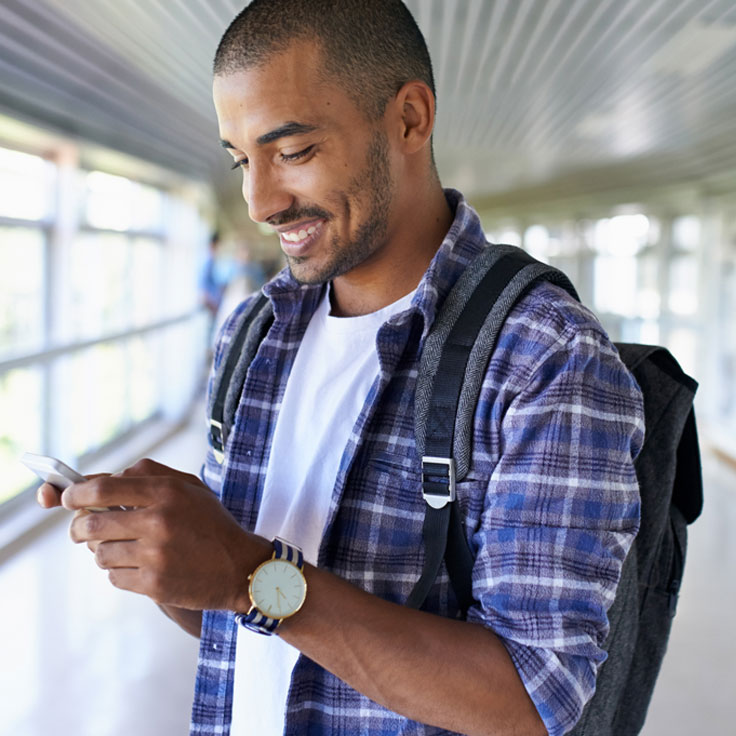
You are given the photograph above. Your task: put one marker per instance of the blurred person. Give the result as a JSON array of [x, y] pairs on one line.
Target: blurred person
[[328, 107], [250, 268], [248, 277], [211, 284]]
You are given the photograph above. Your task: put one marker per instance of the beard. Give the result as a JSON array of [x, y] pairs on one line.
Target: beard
[[375, 182]]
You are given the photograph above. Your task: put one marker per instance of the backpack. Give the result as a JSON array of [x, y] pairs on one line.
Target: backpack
[[453, 363]]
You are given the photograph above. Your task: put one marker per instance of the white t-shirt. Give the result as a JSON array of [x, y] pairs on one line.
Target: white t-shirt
[[333, 371]]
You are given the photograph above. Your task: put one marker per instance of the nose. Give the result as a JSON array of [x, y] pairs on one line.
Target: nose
[[264, 192]]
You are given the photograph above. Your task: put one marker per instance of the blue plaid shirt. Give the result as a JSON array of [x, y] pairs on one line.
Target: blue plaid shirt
[[550, 503]]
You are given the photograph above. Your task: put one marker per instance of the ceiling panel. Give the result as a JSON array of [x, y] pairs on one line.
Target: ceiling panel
[[533, 95]]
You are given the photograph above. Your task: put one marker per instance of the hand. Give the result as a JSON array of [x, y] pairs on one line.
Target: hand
[[178, 545]]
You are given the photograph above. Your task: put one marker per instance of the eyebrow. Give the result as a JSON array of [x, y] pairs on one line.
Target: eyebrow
[[283, 131]]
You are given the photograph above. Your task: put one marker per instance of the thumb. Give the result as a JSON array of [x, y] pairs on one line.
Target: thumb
[[48, 496]]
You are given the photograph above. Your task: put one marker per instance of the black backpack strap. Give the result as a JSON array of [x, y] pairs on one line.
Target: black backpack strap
[[481, 302], [230, 376]]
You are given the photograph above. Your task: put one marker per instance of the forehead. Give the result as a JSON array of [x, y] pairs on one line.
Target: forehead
[[288, 86]]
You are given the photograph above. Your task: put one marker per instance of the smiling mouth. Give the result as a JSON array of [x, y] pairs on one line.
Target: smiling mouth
[[294, 236], [301, 236]]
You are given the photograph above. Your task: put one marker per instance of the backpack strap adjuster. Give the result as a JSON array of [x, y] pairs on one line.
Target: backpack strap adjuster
[[216, 439], [438, 481]]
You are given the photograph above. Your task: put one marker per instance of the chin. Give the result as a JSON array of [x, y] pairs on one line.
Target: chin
[[302, 274]]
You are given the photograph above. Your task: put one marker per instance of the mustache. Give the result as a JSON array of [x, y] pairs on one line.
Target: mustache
[[295, 214]]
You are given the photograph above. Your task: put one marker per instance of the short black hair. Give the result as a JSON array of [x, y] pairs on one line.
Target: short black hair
[[370, 47]]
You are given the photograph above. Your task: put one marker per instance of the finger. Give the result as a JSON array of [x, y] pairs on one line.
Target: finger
[[105, 526], [147, 467], [114, 555], [127, 579], [107, 492], [48, 496], [92, 477], [139, 580]]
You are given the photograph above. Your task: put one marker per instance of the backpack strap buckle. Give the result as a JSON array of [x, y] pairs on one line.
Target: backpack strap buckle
[[438, 481], [216, 440]]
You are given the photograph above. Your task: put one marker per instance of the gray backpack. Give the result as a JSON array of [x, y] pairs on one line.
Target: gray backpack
[[451, 371]]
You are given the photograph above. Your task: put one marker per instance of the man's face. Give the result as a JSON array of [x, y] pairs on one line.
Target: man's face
[[314, 168]]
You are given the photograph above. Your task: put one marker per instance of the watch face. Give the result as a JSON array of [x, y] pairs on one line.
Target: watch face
[[278, 588]]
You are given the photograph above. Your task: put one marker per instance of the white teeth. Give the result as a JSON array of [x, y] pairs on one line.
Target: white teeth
[[295, 236]]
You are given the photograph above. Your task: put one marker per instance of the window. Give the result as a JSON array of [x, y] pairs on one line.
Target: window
[[21, 289], [117, 203], [94, 340], [98, 285], [538, 243], [147, 275], [686, 233], [665, 276], [20, 429], [683, 296], [93, 384], [648, 301], [724, 322], [26, 186], [144, 389], [621, 284], [616, 242], [507, 234]]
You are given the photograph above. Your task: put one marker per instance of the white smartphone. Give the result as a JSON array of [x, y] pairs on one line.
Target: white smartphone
[[51, 470], [59, 474]]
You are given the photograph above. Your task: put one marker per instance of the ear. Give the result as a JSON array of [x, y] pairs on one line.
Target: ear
[[415, 107]]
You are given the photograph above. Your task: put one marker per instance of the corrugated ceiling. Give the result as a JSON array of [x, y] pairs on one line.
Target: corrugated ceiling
[[538, 95]]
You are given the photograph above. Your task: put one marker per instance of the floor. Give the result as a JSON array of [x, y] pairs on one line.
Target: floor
[[80, 658]]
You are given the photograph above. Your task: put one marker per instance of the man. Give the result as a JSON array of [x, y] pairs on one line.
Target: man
[[327, 107]]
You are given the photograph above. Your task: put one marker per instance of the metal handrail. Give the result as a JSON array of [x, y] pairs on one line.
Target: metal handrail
[[45, 356]]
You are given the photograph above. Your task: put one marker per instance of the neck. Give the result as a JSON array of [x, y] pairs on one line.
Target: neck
[[397, 268]]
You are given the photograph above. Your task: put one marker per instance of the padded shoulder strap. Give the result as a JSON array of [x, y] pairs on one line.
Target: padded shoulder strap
[[468, 325], [452, 368], [229, 379]]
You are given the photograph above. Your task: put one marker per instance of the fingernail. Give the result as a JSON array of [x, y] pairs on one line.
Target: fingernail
[[39, 497]]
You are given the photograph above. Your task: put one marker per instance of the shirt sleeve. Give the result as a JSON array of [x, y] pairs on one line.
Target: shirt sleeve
[[559, 516]]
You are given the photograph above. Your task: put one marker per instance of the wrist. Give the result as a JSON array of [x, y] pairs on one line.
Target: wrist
[[256, 551]]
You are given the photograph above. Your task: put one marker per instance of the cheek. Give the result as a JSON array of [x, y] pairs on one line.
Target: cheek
[[320, 177], [309, 182], [329, 188]]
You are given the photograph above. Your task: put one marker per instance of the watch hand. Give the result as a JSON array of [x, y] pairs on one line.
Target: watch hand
[[278, 602]]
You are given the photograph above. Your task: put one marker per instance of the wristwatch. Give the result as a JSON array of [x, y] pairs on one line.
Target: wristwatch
[[277, 589]]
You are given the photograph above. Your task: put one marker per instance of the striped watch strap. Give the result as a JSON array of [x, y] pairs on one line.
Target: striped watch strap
[[256, 621]]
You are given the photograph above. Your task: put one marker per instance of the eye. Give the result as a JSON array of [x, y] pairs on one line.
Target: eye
[[296, 156], [240, 164]]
